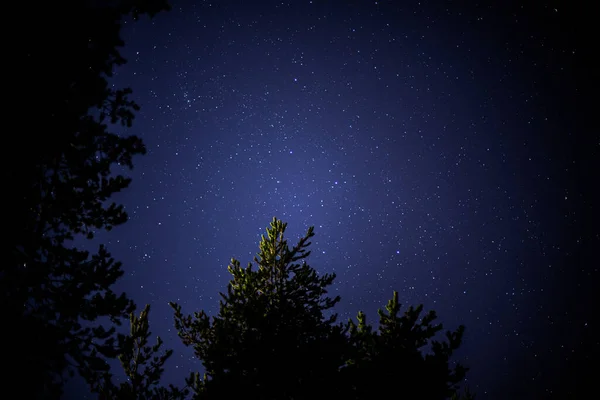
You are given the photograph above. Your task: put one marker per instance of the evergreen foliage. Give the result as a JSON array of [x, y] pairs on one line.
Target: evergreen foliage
[[272, 338], [60, 180], [143, 365], [395, 352]]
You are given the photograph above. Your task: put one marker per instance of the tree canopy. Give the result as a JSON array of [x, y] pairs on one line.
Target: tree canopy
[[274, 337], [143, 365], [60, 180]]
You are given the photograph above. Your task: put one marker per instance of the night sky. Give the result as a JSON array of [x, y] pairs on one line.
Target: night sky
[[435, 148]]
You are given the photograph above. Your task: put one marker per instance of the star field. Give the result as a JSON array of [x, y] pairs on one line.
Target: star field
[[432, 146]]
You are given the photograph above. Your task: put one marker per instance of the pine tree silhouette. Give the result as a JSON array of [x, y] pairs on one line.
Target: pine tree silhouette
[[60, 184], [143, 366], [271, 338]]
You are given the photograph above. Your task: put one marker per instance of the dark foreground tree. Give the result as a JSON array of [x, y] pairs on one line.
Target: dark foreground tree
[[273, 338], [57, 172], [143, 365], [394, 353]]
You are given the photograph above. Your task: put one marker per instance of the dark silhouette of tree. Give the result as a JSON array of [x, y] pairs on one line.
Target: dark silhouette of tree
[[465, 395], [271, 338], [394, 353], [59, 180], [143, 365]]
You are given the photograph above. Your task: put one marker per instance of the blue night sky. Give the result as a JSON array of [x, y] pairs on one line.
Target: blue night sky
[[434, 148]]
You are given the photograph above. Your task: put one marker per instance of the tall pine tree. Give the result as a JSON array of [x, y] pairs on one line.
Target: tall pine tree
[[271, 338]]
